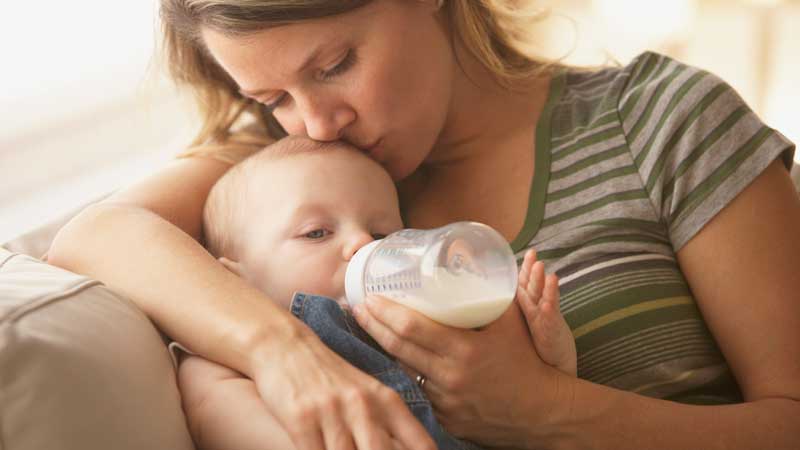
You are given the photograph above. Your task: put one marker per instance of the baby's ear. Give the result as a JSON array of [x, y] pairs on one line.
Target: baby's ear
[[233, 266]]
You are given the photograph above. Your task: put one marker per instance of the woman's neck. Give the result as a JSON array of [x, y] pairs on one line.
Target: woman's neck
[[484, 113]]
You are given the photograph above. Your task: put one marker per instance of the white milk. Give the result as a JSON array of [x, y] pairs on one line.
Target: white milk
[[464, 300]]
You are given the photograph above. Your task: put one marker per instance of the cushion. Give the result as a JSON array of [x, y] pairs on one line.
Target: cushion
[[82, 368]]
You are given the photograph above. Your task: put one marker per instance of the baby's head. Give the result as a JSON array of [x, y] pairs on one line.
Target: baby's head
[[290, 217]]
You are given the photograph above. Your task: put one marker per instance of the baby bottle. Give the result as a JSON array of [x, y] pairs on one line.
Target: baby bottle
[[462, 275]]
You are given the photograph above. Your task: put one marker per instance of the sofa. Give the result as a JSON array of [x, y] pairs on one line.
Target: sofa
[[80, 366]]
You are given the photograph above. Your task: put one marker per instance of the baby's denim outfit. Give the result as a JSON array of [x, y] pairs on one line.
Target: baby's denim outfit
[[338, 329]]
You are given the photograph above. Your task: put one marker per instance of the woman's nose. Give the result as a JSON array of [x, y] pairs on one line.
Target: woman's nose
[[326, 120], [355, 243]]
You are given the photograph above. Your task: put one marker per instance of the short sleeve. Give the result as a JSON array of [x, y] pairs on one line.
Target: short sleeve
[[694, 141]]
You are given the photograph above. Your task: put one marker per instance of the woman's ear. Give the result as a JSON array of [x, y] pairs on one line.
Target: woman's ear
[[233, 266]]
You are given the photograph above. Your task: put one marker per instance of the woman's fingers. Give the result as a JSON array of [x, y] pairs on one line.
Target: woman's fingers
[[306, 438], [324, 403], [408, 325], [336, 432], [398, 331], [358, 421], [404, 434], [394, 433]]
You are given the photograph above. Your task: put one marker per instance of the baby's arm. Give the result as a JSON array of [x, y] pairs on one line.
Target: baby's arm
[[224, 410], [539, 298]]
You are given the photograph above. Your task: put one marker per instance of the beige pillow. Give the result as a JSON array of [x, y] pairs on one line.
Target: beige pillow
[[80, 367]]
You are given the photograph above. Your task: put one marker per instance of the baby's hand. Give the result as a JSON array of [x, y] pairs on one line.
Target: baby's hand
[[539, 297]]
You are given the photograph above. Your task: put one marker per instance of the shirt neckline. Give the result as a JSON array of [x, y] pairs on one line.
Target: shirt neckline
[[541, 173]]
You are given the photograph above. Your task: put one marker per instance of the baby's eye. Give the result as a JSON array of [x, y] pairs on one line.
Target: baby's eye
[[377, 236], [317, 234]]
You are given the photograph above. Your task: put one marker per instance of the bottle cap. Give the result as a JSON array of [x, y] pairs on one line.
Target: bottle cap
[[354, 276]]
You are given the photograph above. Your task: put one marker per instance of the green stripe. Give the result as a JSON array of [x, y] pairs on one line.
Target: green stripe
[[700, 149], [710, 184], [600, 321], [596, 138], [649, 352], [589, 162], [634, 324], [591, 182], [605, 119], [621, 349], [667, 280], [599, 203], [637, 87], [564, 251], [616, 298], [655, 99], [679, 133], [666, 115]]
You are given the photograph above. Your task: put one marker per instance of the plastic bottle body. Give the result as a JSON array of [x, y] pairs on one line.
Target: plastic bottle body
[[463, 274]]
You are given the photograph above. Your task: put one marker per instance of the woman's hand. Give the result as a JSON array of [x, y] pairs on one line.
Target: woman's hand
[[488, 386], [324, 403]]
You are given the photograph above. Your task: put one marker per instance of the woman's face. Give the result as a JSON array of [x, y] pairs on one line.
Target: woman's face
[[379, 77]]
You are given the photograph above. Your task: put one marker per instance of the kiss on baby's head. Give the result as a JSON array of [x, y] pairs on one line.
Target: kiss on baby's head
[[290, 217]]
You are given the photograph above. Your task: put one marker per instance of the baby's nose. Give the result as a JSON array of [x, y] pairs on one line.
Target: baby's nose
[[358, 241]]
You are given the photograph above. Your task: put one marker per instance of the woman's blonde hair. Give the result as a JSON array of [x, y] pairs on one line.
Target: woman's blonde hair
[[496, 32]]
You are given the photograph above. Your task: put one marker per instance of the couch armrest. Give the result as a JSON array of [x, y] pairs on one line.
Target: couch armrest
[[80, 367]]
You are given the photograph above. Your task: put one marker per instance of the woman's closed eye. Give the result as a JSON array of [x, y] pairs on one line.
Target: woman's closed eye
[[347, 61], [344, 64]]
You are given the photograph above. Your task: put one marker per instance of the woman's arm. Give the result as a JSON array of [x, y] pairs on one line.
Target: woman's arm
[[742, 268], [143, 244]]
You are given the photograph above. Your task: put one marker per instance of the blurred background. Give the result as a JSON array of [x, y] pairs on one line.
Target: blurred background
[[83, 110]]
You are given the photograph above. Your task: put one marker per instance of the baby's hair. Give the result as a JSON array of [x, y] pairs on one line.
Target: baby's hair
[[223, 218]]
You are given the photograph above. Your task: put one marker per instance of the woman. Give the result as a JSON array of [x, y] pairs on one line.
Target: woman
[[630, 182]]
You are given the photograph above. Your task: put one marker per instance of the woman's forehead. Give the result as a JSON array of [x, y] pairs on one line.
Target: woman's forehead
[[284, 49]]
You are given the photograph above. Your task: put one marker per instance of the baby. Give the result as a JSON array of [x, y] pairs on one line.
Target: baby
[[288, 219]]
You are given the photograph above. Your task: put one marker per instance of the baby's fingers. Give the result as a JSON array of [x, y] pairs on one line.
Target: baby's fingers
[[551, 292], [536, 282], [530, 309], [525, 268]]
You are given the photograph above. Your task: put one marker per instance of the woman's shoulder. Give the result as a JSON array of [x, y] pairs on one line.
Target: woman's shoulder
[[614, 82]]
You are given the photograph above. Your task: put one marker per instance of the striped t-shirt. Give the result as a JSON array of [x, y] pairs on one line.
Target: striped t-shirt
[[631, 162]]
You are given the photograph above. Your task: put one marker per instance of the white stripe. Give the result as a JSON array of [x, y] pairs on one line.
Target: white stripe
[[612, 262]]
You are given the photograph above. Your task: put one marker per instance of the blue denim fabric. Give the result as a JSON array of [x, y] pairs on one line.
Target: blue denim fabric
[[339, 330]]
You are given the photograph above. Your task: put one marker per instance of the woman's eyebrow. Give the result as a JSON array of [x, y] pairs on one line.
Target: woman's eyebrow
[[311, 58]]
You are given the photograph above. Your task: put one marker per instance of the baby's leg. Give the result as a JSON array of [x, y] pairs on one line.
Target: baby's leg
[[224, 410], [539, 297]]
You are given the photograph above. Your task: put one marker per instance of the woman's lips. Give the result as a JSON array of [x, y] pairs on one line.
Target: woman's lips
[[373, 149]]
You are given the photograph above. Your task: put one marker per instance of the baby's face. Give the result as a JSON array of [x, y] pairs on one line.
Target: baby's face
[[307, 216]]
